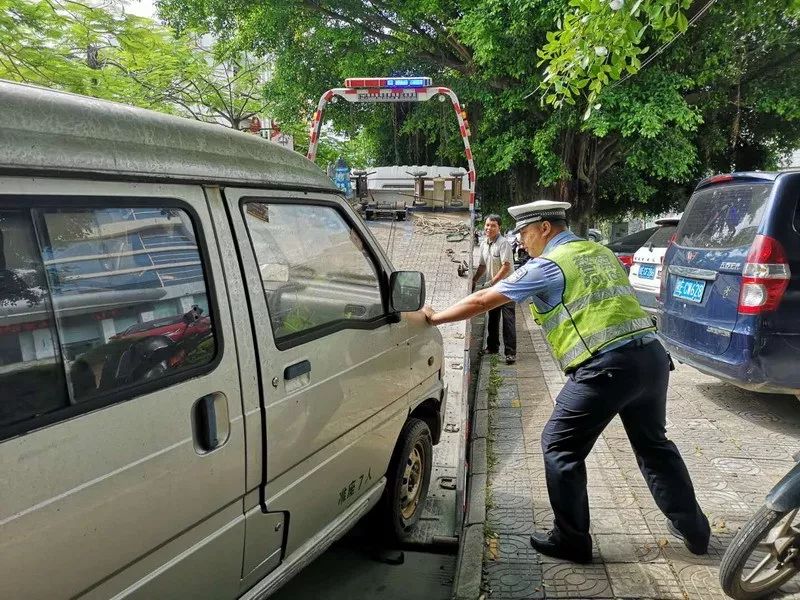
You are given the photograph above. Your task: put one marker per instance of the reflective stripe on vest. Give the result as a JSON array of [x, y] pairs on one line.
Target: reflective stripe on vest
[[564, 311], [604, 337]]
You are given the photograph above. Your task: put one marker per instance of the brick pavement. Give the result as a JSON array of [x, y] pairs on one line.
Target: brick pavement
[[736, 444]]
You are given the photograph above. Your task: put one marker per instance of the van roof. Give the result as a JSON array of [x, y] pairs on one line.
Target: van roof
[[66, 134]]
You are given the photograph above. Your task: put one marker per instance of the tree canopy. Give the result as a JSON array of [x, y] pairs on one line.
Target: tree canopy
[[613, 105], [100, 51]]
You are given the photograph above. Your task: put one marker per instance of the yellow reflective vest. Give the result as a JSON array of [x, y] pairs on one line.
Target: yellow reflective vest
[[598, 306]]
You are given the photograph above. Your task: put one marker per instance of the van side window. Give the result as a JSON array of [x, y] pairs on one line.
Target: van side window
[[94, 301], [31, 375], [315, 269], [128, 294]]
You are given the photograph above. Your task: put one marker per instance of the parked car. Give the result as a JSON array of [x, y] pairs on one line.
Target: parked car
[[176, 327], [147, 451], [645, 272], [594, 235], [731, 290], [625, 247]]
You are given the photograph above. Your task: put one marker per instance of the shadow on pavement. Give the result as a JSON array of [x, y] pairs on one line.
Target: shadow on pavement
[[776, 412], [352, 569]]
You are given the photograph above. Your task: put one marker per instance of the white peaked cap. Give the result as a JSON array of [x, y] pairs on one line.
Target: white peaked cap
[[533, 212]]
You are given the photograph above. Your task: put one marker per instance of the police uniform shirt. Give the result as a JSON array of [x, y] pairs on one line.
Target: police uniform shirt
[[495, 253], [542, 281]]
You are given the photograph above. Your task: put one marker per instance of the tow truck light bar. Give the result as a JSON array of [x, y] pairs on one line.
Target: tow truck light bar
[[387, 82]]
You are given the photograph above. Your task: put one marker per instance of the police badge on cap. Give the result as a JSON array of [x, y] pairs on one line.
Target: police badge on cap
[[533, 212]]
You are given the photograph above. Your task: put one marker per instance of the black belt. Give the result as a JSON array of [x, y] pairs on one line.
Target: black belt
[[637, 343]]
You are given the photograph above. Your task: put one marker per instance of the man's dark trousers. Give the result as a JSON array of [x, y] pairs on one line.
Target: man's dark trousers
[[630, 381], [509, 330]]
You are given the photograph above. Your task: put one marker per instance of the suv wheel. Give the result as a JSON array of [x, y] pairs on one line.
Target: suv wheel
[[408, 478]]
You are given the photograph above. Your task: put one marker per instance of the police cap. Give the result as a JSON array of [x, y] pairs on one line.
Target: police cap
[[541, 210]]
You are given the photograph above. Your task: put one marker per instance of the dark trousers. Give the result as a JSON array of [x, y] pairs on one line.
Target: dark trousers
[[632, 382], [509, 329]]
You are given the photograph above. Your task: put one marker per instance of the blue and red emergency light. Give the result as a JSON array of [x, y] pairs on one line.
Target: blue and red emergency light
[[387, 82]]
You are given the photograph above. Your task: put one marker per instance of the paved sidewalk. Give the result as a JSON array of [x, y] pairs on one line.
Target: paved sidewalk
[[736, 444]]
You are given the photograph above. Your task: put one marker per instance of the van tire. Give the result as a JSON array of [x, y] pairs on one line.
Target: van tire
[[409, 471]]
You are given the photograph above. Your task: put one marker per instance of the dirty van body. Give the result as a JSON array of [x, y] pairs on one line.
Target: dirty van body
[[209, 368]]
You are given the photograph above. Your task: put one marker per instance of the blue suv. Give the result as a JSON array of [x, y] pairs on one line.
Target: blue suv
[[730, 293]]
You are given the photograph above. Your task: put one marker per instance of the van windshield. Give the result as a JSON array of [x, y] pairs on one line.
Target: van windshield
[[724, 216]]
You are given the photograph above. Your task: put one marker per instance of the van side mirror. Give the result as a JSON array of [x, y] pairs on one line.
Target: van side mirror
[[407, 289]]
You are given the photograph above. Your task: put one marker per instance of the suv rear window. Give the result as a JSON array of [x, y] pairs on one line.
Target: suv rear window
[[724, 216], [660, 239], [631, 242]]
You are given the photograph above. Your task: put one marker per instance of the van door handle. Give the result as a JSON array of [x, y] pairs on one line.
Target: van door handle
[[297, 369], [211, 427]]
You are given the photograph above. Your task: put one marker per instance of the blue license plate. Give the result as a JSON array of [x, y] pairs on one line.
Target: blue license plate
[[689, 289], [647, 271]]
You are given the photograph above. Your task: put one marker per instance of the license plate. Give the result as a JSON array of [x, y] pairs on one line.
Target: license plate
[[647, 271], [689, 289]]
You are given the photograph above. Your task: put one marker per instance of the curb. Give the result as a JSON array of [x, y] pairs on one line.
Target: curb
[[469, 564]]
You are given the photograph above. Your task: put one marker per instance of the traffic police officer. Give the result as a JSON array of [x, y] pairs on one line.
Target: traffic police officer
[[606, 346]]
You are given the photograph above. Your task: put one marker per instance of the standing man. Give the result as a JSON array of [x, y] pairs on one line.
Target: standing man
[[497, 261], [604, 342]]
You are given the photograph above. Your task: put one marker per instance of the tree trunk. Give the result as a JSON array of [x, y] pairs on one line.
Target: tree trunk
[[736, 127], [524, 186], [394, 130], [580, 190]]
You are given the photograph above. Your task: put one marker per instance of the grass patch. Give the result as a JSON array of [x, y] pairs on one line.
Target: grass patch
[[491, 455], [495, 379]]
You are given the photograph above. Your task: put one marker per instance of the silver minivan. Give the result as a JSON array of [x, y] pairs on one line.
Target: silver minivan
[[209, 369]]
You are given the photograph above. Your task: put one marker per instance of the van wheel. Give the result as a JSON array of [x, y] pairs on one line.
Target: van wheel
[[407, 479]]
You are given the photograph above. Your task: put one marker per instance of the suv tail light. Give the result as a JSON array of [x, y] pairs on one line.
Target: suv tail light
[[765, 277], [662, 287], [626, 260]]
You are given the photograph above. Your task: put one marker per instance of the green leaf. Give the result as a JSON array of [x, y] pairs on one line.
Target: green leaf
[[682, 22]]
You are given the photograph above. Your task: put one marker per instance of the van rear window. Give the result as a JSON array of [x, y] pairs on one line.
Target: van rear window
[[724, 216]]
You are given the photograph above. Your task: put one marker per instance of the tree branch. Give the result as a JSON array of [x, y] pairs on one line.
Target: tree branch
[[369, 31]]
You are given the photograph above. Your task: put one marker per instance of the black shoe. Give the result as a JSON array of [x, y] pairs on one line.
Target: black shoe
[[693, 546], [487, 351], [547, 543], [511, 359]]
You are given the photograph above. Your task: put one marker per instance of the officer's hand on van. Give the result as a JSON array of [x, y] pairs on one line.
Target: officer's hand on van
[[428, 311]]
